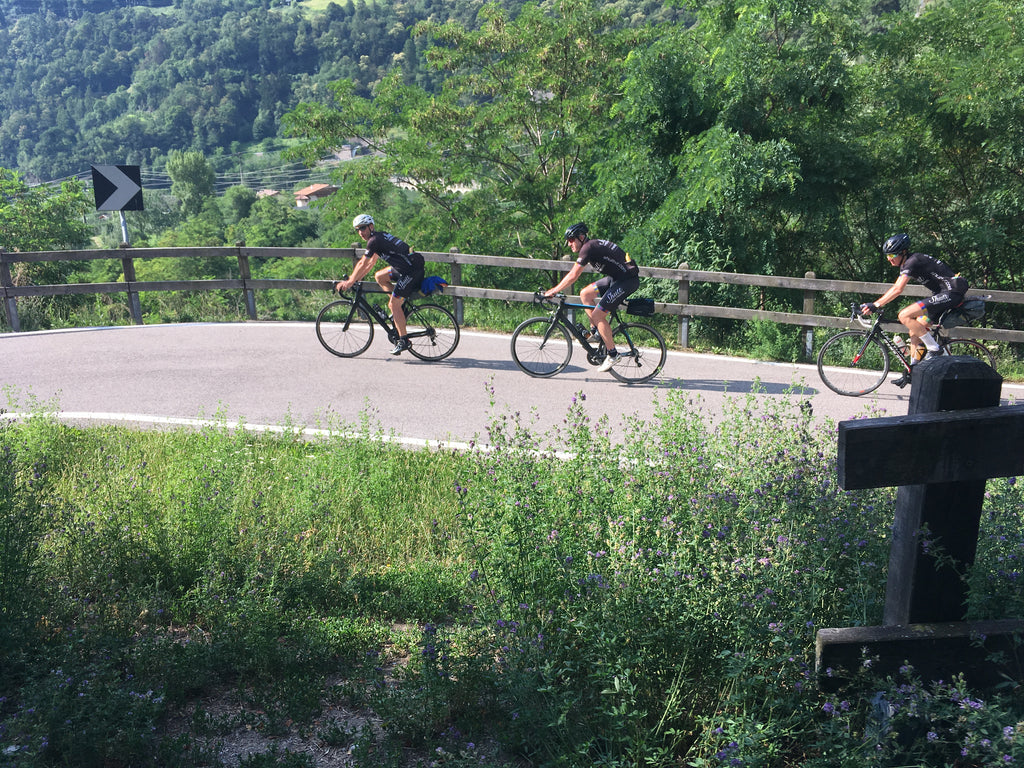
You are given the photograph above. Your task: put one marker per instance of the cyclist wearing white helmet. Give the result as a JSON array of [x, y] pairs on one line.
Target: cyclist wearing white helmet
[[399, 279], [947, 288], [621, 278]]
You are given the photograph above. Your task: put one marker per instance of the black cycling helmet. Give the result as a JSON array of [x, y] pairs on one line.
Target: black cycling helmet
[[575, 231], [896, 244]]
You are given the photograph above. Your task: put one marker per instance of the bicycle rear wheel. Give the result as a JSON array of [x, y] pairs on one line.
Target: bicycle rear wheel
[[644, 356], [853, 363], [540, 347], [344, 329], [432, 331], [971, 348]]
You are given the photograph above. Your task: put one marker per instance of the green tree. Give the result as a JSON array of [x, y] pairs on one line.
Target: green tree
[[192, 180], [503, 153], [41, 218], [734, 145], [236, 203], [945, 122], [274, 221]]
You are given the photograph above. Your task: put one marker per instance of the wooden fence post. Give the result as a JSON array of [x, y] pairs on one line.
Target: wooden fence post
[[684, 298], [808, 331], [246, 275], [954, 437], [10, 303], [460, 309], [128, 266]]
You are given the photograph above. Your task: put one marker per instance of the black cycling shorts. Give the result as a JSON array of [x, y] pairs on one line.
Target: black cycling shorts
[[406, 284], [938, 303], [613, 291]]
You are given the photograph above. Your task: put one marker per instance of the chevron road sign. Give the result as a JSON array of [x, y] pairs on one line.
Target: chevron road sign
[[117, 187]]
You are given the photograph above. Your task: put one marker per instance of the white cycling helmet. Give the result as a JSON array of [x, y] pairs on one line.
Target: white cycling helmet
[[362, 220]]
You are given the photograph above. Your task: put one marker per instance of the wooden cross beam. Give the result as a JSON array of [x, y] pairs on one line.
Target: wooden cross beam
[[940, 455]]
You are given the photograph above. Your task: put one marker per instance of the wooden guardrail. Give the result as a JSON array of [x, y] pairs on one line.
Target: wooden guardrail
[[683, 278]]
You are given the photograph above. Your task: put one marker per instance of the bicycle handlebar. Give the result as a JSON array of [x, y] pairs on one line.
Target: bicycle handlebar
[[865, 322], [539, 299], [334, 284]]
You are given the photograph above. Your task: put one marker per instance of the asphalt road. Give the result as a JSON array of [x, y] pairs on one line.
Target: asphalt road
[[277, 374]]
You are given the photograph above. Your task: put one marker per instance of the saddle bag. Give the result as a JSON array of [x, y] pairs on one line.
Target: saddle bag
[[968, 312], [640, 307], [432, 285]]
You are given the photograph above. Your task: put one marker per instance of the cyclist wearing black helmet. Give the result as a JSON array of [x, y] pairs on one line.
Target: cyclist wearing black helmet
[[621, 278], [399, 279], [947, 289]]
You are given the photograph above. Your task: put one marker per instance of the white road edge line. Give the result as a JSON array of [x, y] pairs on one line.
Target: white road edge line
[[182, 422], [407, 442]]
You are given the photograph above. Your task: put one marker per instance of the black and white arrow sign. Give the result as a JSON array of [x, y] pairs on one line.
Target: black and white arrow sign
[[117, 187]]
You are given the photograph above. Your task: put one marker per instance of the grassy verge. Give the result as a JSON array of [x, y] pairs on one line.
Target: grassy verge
[[651, 603]]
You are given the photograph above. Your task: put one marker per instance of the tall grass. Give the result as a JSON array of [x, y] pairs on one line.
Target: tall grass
[[560, 599]]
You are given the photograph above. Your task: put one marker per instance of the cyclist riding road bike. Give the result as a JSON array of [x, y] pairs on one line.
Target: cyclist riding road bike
[[400, 279], [621, 278], [947, 287]]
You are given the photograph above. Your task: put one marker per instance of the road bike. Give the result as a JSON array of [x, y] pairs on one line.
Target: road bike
[[856, 362], [542, 346], [345, 326]]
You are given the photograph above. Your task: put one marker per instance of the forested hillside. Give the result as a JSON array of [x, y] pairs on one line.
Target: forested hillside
[[113, 81]]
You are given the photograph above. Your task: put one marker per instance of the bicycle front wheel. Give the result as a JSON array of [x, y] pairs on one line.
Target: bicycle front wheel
[[540, 347], [344, 329], [853, 363], [971, 348], [644, 355], [433, 332]]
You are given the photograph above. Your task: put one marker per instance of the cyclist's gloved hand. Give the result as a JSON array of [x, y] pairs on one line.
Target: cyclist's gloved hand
[[867, 309]]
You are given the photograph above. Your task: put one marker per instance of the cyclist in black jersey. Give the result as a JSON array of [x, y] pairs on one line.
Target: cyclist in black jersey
[[400, 279], [621, 278], [947, 288]]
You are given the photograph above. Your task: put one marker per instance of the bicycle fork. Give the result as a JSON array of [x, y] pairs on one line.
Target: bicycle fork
[[547, 333], [867, 340]]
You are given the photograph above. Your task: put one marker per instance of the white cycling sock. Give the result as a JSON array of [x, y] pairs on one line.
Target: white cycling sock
[[929, 341]]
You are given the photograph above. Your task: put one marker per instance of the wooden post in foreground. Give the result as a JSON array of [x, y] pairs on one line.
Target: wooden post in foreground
[[953, 439]]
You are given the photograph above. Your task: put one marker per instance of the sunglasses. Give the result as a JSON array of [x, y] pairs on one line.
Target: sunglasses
[[360, 229]]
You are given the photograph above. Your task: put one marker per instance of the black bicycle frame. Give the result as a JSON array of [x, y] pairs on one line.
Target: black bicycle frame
[[877, 332], [559, 315], [375, 313]]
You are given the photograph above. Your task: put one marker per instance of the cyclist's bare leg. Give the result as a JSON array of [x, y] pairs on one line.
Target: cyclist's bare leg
[[383, 278], [598, 317], [920, 332], [397, 313]]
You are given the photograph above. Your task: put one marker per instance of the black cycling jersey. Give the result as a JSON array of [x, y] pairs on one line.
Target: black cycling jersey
[[395, 252], [607, 258], [933, 274]]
